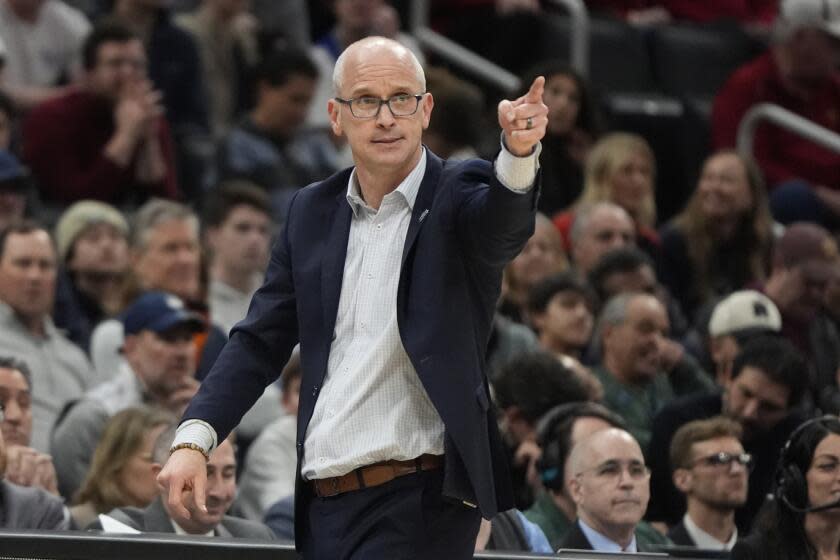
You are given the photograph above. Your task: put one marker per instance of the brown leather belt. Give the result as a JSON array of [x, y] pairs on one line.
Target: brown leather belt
[[374, 475]]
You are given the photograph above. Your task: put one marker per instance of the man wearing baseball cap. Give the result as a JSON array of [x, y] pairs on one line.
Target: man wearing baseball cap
[[159, 369], [735, 319], [800, 74]]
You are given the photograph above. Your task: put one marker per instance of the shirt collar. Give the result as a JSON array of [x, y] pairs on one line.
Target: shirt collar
[[600, 543], [704, 540], [408, 188], [10, 318], [180, 531]]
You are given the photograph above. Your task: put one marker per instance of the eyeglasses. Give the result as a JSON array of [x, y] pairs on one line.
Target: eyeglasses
[[368, 106], [612, 470], [725, 460]]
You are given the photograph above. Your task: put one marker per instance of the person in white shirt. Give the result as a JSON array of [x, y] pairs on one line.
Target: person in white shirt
[[43, 47], [237, 232], [712, 470]]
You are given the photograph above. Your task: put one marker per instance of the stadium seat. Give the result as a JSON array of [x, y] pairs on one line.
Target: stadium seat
[[696, 60], [619, 60]]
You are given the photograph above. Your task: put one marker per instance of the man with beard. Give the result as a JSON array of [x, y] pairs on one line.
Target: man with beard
[[159, 370], [610, 487], [712, 470], [159, 517], [107, 139], [769, 378], [92, 242]]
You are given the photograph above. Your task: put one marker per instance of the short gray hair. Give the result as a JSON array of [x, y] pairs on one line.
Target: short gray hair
[[155, 212], [371, 43], [612, 314], [584, 214], [9, 362]]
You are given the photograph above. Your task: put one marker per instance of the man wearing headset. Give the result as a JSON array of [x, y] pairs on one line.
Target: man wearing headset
[[558, 432]]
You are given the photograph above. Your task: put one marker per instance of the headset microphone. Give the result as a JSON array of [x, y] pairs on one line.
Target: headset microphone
[[811, 509]]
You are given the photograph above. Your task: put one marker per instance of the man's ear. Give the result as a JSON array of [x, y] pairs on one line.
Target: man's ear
[[334, 110], [575, 490], [683, 480], [427, 104]]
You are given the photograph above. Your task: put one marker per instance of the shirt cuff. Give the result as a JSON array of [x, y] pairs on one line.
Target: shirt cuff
[[517, 173], [198, 432]]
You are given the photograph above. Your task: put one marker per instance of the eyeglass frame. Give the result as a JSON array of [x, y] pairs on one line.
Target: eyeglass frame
[[626, 466], [349, 102], [725, 459]]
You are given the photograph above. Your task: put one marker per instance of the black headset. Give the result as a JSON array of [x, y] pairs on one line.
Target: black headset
[[554, 432], [791, 486]]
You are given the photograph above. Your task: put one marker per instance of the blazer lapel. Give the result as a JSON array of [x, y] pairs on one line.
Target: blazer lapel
[[335, 253], [156, 520], [423, 202], [221, 530]]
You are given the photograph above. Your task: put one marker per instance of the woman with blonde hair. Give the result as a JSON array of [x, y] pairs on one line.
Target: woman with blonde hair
[[621, 168], [722, 239], [122, 472]]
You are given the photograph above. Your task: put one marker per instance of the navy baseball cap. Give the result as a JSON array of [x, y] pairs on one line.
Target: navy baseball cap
[[159, 312]]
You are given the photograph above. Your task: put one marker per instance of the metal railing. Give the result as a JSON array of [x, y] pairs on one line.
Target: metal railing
[[579, 37], [785, 119], [489, 71]]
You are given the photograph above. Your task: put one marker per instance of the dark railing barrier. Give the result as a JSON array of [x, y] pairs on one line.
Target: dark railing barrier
[[51, 545]]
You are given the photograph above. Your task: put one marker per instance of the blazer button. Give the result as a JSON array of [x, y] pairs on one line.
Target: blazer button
[[300, 446], [314, 391]]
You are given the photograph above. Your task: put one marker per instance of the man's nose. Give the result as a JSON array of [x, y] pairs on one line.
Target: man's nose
[[750, 409], [385, 117], [12, 411]]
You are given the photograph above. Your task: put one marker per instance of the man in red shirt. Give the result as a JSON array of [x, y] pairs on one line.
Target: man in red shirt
[[800, 74], [106, 140]]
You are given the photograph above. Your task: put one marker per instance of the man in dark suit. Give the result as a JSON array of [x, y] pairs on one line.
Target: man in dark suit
[[609, 484], [221, 490], [712, 470], [387, 274]]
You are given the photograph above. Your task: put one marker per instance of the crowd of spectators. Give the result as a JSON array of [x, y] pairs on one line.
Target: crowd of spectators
[[646, 372]]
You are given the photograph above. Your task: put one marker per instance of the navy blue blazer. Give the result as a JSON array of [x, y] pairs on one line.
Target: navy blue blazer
[[465, 227]]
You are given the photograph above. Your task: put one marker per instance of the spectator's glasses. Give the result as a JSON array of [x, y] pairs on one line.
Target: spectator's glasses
[[725, 460], [611, 471], [368, 106]]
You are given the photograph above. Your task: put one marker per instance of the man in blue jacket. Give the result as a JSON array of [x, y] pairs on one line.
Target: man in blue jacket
[[387, 274]]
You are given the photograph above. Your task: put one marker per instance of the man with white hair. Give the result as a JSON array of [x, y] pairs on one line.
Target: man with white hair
[[610, 485], [387, 274], [800, 74]]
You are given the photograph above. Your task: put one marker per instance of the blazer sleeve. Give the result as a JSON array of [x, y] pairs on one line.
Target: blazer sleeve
[[258, 348], [492, 221]]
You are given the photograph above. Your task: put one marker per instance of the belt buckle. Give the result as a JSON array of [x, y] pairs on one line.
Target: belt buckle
[[335, 487]]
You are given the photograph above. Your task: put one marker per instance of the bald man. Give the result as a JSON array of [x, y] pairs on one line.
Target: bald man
[[387, 273], [609, 484]]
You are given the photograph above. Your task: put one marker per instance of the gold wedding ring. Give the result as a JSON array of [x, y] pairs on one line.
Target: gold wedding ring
[[529, 123]]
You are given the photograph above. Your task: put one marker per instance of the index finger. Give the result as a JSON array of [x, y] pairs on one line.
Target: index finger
[[535, 93]]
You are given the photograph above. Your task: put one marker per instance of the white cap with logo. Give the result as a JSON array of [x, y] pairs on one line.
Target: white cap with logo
[[743, 312], [822, 14]]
